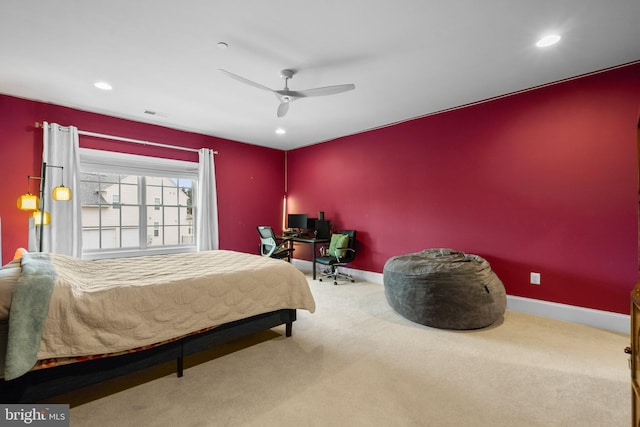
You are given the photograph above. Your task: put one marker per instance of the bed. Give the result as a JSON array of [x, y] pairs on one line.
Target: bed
[[66, 323]]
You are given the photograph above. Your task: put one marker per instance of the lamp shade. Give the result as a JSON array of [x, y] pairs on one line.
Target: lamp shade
[[28, 202], [38, 217], [61, 193]]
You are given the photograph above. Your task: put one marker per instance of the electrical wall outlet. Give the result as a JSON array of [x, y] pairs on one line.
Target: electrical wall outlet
[[534, 278]]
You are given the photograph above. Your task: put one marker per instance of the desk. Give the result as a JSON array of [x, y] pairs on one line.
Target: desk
[[309, 240]]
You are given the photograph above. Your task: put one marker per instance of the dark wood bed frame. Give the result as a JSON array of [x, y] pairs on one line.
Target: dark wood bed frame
[[42, 384]]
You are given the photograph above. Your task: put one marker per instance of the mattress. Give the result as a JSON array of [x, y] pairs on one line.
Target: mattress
[[113, 305]]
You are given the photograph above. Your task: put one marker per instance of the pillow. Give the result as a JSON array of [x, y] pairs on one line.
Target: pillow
[[338, 241], [19, 252], [16, 262], [8, 281]]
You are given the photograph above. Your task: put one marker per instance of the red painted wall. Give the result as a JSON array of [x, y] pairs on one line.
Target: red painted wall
[[250, 179], [544, 181]]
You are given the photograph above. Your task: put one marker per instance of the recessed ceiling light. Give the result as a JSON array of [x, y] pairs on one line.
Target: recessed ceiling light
[[103, 85], [280, 131], [549, 40]]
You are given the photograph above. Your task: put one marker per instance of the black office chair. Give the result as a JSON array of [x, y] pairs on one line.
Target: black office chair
[[269, 245], [338, 254]]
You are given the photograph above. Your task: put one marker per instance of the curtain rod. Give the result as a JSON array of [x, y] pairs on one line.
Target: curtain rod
[[135, 141]]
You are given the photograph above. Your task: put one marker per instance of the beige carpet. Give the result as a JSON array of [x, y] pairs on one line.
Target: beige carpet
[[357, 363]]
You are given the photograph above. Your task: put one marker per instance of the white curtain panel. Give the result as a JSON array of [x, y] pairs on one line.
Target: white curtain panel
[[61, 148], [206, 209]]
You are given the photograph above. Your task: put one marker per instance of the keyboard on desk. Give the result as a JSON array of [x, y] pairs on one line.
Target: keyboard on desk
[[297, 234]]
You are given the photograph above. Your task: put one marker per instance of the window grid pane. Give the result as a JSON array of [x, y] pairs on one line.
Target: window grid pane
[[174, 213], [112, 215]]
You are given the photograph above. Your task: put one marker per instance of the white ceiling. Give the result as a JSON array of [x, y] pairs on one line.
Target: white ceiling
[[407, 58]]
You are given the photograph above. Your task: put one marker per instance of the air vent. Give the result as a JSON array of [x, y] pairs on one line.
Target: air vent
[[156, 113]]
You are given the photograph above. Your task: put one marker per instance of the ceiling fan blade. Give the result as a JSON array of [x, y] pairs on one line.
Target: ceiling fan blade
[[283, 108], [328, 90], [287, 96], [243, 80]]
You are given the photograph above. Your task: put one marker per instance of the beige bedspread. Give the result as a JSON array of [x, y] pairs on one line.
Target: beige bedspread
[[117, 304]]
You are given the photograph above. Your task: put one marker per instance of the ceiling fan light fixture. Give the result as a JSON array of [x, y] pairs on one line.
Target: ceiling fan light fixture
[[548, 40]]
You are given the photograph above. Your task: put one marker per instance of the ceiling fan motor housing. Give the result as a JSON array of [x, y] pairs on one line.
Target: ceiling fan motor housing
[[287, 74]]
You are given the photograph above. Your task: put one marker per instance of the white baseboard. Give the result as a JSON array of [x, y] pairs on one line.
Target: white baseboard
[[615, 322], [587, 316]]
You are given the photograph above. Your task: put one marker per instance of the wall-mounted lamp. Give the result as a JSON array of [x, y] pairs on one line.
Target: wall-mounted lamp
[[31, 203]]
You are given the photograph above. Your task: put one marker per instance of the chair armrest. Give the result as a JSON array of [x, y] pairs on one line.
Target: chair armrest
[[344, 249], [284, 244]]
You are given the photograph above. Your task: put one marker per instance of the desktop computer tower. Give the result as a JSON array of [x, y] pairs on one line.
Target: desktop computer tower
[[323, 229]]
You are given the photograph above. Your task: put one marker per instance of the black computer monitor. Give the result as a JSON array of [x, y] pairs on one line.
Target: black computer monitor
[[311, 224], [297, 221]]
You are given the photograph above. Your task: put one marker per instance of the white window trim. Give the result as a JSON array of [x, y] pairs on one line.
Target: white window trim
[[122, 164], [127, 164]]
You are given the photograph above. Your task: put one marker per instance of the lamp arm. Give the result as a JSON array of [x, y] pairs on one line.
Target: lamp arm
[[42, 188], [30, 202]]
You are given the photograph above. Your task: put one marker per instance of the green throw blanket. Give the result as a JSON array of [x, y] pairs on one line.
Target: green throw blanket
[[29, 309]]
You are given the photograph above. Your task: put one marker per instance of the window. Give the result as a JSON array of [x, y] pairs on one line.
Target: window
[[136, 206]]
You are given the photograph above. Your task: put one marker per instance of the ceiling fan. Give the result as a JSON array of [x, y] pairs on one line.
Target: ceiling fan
[[287, 96]]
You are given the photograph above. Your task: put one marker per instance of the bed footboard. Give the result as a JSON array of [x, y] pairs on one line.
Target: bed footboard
[[47, 383]]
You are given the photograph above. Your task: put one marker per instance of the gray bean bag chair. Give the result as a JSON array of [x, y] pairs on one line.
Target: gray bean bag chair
[[445, 289]]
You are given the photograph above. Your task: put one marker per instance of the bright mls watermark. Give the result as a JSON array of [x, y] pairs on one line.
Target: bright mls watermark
[[54, 415]]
